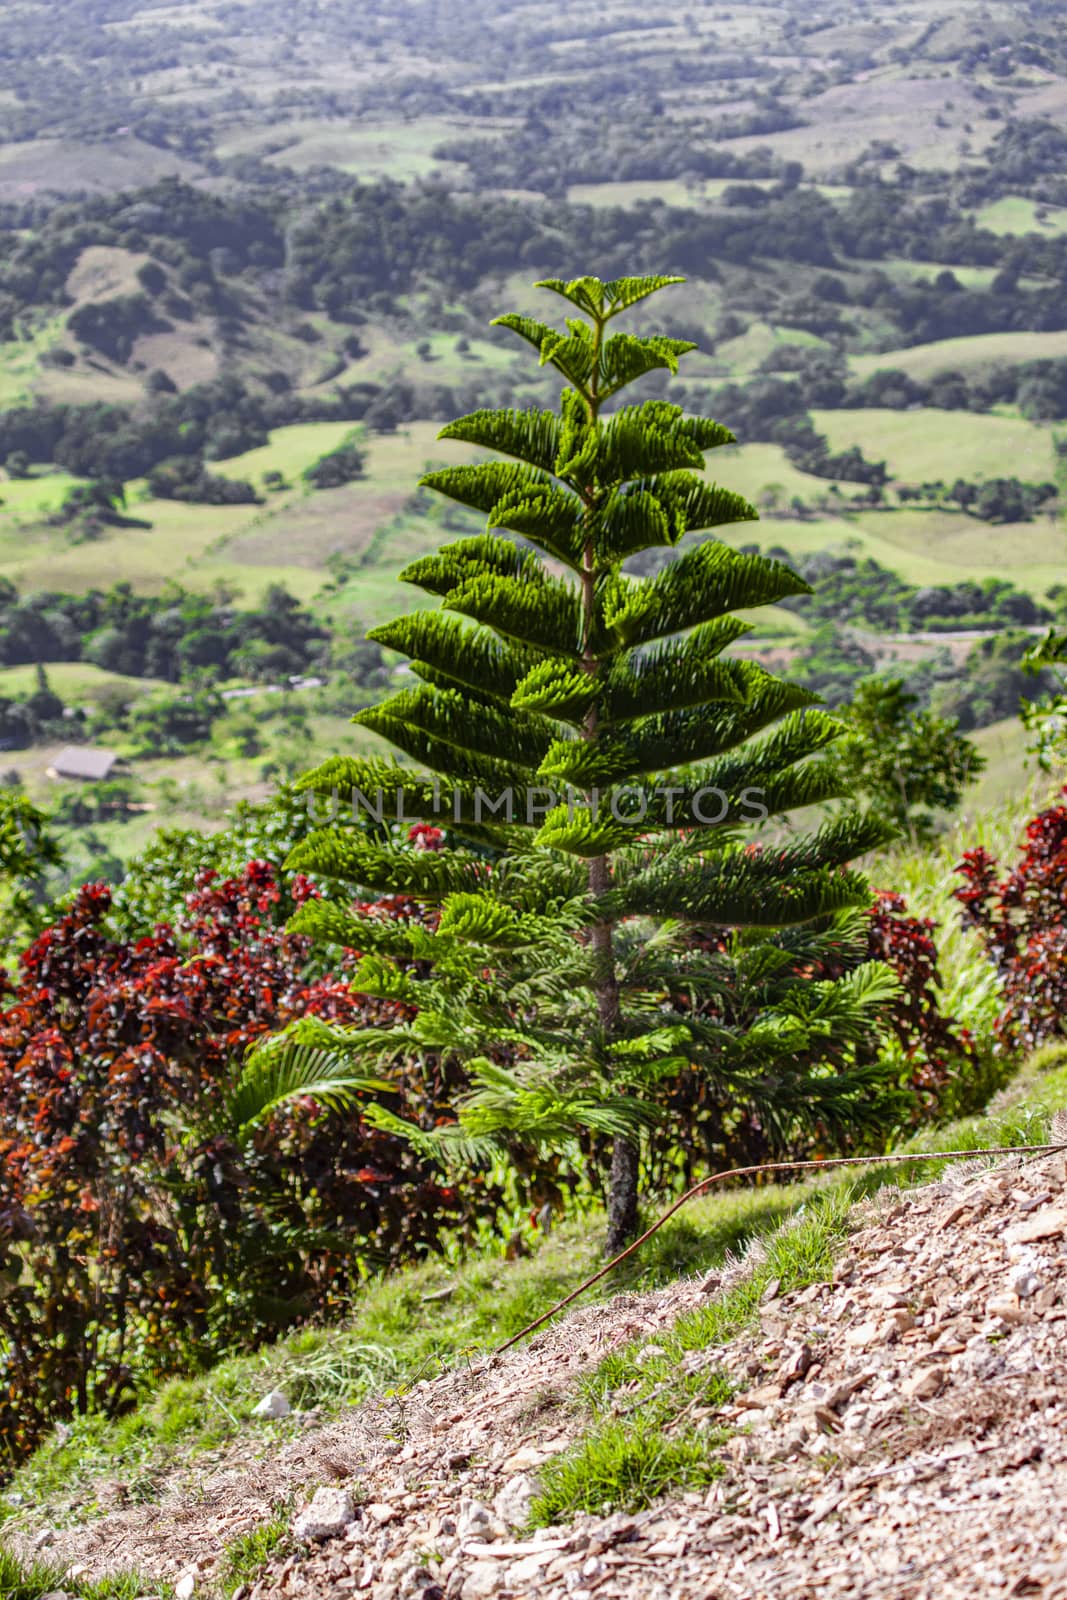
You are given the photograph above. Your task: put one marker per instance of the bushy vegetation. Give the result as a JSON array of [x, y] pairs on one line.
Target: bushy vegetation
[[158, 1204], [1020, 918], [174, 636]]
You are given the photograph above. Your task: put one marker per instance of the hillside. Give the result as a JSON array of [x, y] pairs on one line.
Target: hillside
[[883, 1377]]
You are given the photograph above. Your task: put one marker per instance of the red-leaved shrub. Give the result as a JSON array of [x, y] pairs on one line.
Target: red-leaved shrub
[[138, 1234], [1022, 920]]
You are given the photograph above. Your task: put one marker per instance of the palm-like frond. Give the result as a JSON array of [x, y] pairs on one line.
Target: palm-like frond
[[281, 1072]]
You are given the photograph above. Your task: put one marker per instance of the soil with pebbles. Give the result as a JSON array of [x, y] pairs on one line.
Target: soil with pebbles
[[901, 1432]]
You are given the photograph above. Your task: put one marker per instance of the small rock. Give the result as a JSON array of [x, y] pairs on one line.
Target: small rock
[[328, 1515], [1044, 1224], [901, 1320], [44, 1538], [379, 1513], [483, 1578], [1025, 1282], [1006, 1307], [863, 1334], [924, 1385], [512, 1504], [473, 1519], [274, 1404], [650, 1352], [185, 1586]]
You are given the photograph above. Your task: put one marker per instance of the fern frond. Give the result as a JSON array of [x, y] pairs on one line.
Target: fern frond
[[517, 739], [558, 689], [474, 657], [548, 516], [422, 874]]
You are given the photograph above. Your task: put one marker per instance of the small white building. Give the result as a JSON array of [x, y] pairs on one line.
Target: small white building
[[82, 762]]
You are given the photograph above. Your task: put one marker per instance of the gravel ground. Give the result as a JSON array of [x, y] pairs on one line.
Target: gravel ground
[[901, 1432]]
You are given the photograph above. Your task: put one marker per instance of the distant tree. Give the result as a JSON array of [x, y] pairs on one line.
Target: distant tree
[[186, 478], [102, 498], [344, 465], [908, 763], [29, 850], [1045, 716]]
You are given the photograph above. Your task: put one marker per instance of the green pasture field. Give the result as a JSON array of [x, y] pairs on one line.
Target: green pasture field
[[392, 149], [970, 277], [1015, 213], [291, 451], [29, 499], [83, 164], [930, 547], [77, 683], [388, 357], [201, 545], [1011, 779], [966, 354], [924, 445], [20, 361], [749, 469], [745, 353]]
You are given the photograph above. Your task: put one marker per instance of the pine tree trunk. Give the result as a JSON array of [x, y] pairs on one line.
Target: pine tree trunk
[[622, 1197], [622, 1184]]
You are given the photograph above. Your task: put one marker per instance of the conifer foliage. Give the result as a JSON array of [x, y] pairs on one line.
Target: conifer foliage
[[598, 759]]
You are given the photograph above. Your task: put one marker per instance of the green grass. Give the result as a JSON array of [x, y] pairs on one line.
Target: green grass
[[291, 450], [929, 547], [248, 1554], [21, 1580], [1015, 213], [424, 1319], [1011, 784], [927, 878], [27, 499], [750, 469], [400, 149], [626, 1463], [970, 277], [20, 361], [635, 191], [76, 682], [622, 1466], [408, 1326], [286, 540], [744, 354], [922, 446], [964, 354], [640, 1440]]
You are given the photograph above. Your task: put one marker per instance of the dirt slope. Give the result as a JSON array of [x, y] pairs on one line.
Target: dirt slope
[[899, 1433]]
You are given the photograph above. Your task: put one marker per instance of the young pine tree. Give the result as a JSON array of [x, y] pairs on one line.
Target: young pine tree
[[595, 754]]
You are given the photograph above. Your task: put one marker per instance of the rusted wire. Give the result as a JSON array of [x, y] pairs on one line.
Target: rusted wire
[[774, 1166]]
